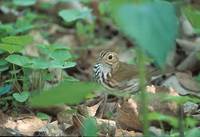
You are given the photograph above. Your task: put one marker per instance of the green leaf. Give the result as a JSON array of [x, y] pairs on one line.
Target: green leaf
[[15, 43], [161, 117], [21, 97], [181, 99], [66, 92], [152, 25], [19, 60], [74, 14], [5, 89], [27, 62], [194, 132], [42, 116], [56, 52], [59, 47], [194, 17], [3, 65], [61, 64], [6, 29], [24, 2], [90, 127], [39, 63], [11, 48], [61, 55], [18, 40]]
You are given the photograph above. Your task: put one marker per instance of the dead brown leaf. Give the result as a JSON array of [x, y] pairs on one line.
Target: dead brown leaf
[[26, 126], [125, 133]]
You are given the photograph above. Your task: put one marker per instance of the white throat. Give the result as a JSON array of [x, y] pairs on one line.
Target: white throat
[[102, 72]]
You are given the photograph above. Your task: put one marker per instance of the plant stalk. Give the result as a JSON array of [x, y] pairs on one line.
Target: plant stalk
[[143, 95]]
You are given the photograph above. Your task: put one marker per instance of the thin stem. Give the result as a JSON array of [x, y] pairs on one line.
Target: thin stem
[[14, 76], [143, 97], [181, 121], [25, 79]]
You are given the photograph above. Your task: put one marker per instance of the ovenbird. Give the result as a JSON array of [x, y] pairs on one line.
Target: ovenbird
[[114, 74]]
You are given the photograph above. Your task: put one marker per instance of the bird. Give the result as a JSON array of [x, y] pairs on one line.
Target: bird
[[114, 74]]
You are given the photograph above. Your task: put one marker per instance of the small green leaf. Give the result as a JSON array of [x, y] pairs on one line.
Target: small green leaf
[[161, 117], [42, 116], [5, 89], [3, 63], [66, 92], [24, 2], [181, 99], [21, 97], [74, 14], [194, 16], [194, 132], [90, 127]]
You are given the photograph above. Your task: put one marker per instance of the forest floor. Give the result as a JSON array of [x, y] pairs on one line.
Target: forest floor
[[46, 42]]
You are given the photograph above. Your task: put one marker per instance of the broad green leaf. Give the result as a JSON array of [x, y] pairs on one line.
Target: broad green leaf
[[27, 62], [11, 48], [21, 97], [18, 40], [61, 64], [15, 43], [66, 92], [152, 25], [42, 116], [59, 47], [24, 2], [44, 49], [39, 63], [90, 127], [5, 89], [74, 14], [61, 55], [19, 60], [56, 52]]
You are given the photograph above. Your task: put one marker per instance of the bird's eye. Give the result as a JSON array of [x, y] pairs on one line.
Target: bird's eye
[[110, 57]]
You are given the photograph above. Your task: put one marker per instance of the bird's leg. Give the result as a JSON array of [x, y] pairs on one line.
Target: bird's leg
[[102, 106]]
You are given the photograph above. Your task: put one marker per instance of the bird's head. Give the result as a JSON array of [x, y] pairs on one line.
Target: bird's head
[[108, 58]]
